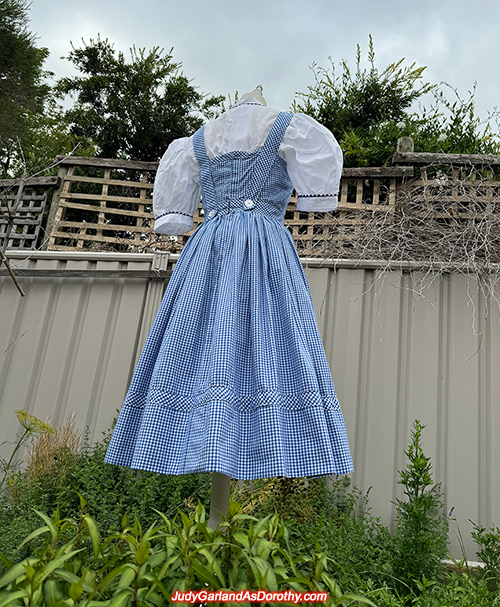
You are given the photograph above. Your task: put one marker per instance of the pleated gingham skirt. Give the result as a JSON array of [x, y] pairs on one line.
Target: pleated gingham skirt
[[233, 377]]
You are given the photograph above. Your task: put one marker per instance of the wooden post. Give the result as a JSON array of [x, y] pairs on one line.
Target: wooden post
[[63, 170], [405, 144], [219, 501]]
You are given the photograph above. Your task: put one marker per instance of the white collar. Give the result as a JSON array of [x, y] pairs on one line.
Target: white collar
[[246, 101]]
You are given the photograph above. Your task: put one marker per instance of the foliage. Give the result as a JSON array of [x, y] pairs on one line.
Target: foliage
[[336, 518], [458, 589], [54, 454], [132, 109], [110, 491], [296, 498], [144, 567], [488, 541], [345, 528], [73, 563], [369, 109], [111, 536], [45, 135], [22, 79], [421, 537], [453, 589], [447, 127], [359, 100]]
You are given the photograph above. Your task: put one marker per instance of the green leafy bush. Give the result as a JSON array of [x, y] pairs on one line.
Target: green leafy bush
[[368, 110], [144, 567], [111, 538], [299, 499], [345, 529], [110, 492], [488, 542], [421, 537]]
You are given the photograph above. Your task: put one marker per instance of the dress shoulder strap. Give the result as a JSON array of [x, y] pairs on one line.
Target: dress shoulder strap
[[199, 146], [200, 153], [277, 132], [267, 154]]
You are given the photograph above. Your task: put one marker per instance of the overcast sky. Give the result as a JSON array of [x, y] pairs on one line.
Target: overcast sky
[[233, 45]]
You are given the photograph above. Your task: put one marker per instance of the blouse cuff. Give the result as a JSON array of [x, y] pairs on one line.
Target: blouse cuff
[[319, 203], [173, 224]]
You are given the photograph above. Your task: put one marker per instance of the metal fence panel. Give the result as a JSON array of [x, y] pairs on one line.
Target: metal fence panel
[[397, 353]]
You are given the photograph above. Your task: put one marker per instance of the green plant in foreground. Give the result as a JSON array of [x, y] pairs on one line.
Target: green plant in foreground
[[488, 541], [346, 530], [421, 536], [143, 568], [58, 475]]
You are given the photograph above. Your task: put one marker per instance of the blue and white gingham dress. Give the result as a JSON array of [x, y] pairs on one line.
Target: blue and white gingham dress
[[233, 377]]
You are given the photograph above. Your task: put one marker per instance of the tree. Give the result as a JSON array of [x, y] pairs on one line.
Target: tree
[[132, 109], [368, 110], [22, 80], [45, 136]]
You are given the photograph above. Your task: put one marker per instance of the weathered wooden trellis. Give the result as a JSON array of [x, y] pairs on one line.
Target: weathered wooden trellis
[[106, 204], [101, 203], [457, 188], [22, 204]]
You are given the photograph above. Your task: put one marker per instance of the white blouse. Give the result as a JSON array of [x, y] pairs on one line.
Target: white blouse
[[312, 155]]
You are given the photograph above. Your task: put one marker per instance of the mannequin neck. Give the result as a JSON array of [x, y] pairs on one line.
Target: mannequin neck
[[256, 94]]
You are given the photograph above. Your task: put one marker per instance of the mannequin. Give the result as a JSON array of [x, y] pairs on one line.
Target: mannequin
[[221, 484]]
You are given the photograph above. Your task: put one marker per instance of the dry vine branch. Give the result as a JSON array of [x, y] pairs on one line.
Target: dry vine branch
[[447, 220]]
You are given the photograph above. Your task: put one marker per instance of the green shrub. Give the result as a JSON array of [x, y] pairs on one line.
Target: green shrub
[[144, 567], [110, 492], [299, 499], [287, 533], [488, 541], [421, 537], [369, 109], [457, 589], [346, 530]]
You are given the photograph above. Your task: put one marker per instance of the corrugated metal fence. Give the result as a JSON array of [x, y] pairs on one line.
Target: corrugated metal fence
[[397, 351]]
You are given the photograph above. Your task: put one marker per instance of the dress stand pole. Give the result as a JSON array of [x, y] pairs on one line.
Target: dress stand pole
[[219, 501]]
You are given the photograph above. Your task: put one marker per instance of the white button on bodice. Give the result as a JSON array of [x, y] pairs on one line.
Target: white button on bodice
[[212, 213], [249, 203]]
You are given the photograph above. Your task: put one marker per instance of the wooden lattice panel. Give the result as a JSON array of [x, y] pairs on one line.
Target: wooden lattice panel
[[103, 204], [454, 196], [363, 193], [106, 205], [22, 205]]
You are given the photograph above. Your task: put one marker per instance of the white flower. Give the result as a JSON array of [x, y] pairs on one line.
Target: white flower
[[400, 125], [442, 137]]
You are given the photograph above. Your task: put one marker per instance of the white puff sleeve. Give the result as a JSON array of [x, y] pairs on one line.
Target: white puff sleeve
[[176, 190], [314, 163]]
